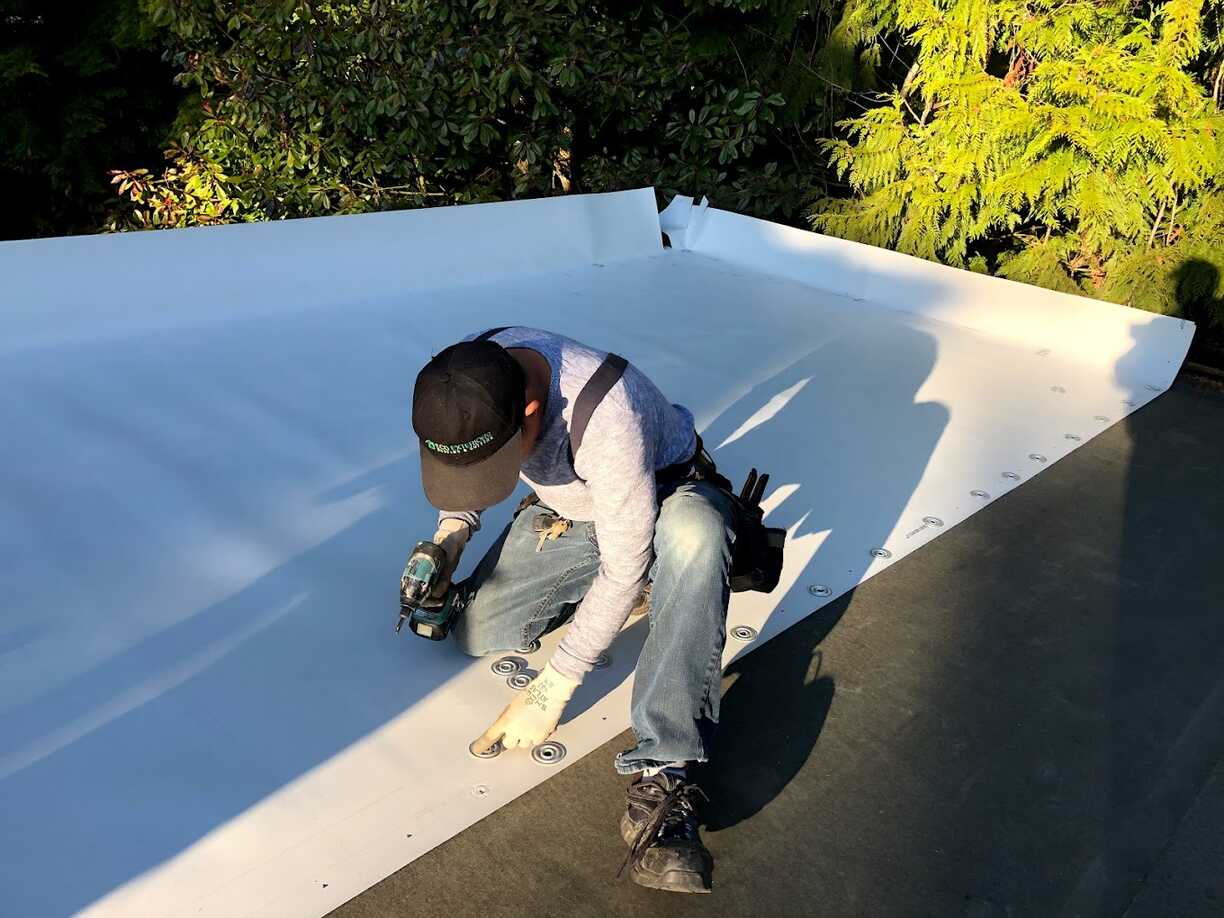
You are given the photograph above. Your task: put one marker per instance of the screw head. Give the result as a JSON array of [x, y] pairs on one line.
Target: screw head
[[549, 752]]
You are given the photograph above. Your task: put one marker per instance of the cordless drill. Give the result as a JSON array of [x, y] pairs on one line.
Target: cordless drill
[[421, 572]]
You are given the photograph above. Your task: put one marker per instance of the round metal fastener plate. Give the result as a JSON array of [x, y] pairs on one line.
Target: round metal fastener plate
[[508, 666], [1012, 476], [1075, 437], [549, 752], [530, 648], [978, 492], [1037, 457], [492, 752], [819, 589], [521, 680], [743, 632], [933, 521], [882, 553]]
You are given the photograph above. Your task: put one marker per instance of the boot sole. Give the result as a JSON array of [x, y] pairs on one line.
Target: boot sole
[[681, 881]]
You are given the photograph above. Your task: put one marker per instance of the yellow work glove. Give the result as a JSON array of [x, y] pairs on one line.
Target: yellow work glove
[[451, 537], [532, 717]]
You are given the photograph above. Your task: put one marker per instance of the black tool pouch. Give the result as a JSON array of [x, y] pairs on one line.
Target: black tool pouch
[[756, 562]]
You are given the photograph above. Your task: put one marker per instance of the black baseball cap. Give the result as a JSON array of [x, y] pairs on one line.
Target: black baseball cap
[[467, 409]]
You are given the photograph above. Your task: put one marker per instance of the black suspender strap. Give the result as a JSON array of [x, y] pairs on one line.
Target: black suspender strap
[[599, 385], [486, 335]]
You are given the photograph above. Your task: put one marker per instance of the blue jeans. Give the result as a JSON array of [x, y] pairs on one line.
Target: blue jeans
[[516, 594]]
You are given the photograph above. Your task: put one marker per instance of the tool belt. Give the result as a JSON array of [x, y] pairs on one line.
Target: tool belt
[[756, 560]]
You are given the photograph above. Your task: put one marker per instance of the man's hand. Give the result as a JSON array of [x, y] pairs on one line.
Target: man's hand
[[533, 716], [451, 537]]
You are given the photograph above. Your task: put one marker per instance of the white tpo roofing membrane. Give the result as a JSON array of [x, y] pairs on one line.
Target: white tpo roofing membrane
[[210, 483]]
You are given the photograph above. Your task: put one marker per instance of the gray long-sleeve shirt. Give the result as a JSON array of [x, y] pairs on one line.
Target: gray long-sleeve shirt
[[634, 432]]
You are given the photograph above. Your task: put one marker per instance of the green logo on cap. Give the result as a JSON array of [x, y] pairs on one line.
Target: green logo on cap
[[454, 448]]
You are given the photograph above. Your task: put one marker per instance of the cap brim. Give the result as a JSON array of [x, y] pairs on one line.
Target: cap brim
[[476, 486]]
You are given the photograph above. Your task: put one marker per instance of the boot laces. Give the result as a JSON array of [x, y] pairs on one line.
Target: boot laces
[[672, 812]]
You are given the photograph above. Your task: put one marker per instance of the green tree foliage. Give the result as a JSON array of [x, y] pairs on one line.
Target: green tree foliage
[[1074, 144], [82, 90], [337, 107]]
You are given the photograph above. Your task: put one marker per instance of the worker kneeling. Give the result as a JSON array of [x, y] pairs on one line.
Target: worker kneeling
[[626, 507]]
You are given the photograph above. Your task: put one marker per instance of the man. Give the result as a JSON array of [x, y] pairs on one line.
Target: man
[[625, 498]]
